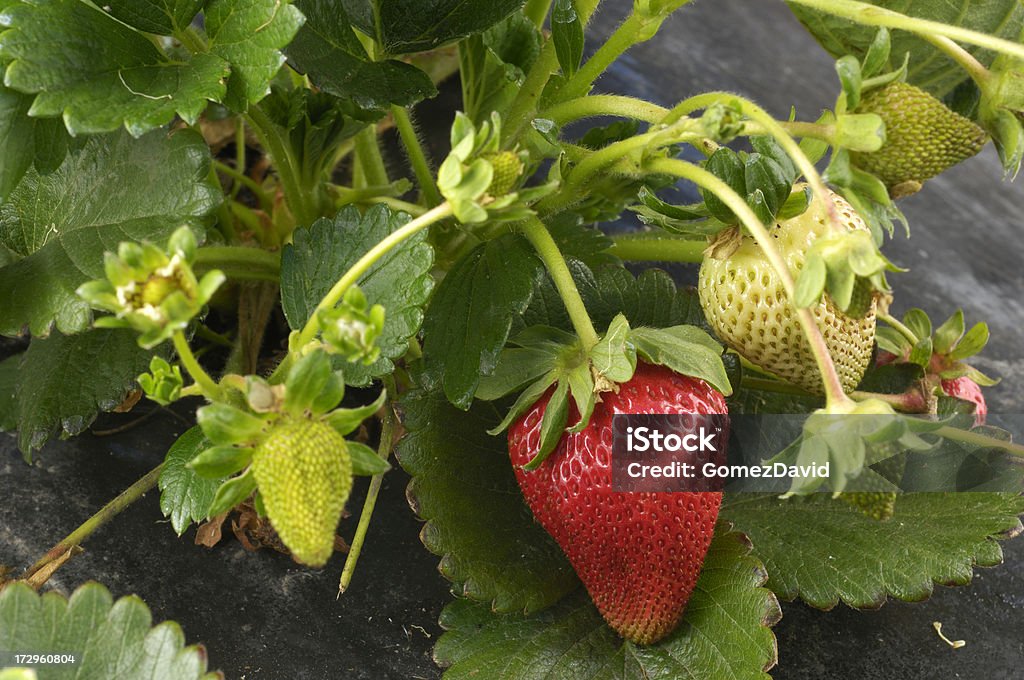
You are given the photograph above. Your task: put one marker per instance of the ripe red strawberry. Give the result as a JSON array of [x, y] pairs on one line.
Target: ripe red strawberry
[[638, 554], [968, 390]]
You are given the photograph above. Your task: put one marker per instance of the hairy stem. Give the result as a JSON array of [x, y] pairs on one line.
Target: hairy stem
[[657, 247], [284, 160], [539, 237], [369, 157], [605, 105], [871, 15], [241, 179], [635, 29], [387, 442], [211, 390], [899, 326], [974, 68], [978, 439], [417, 156], [830, 378], [524, 106], [104, 515]]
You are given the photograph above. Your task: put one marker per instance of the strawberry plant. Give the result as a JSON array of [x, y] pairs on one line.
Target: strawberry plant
[[197, 215]]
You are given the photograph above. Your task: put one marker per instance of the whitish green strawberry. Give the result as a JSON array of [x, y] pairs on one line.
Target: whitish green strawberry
[[304, 473], [923, 138], [745, 303]]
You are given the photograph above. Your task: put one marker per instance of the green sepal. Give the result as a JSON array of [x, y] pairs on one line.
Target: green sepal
[[221, 461], [949, 333], [365, 461], [223, 424], [331, 395], [770, 148], [686, 350], [918, 323], [552, 425], [163, 382], [810, 284], [581, 388], [516, 367], [921, 353], [862, 132], [892, 341], [346, 420], [972, 342], [232, 492], [796, 204], [306, 381], [614, 356], [851, 78], [727, 166], [567, 34], [877, 55], [526, 399], [259, 505]]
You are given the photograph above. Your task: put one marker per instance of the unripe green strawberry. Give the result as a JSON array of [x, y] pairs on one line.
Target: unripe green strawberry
[[507, 169], [923, 138], [304, 474], [746, 305]]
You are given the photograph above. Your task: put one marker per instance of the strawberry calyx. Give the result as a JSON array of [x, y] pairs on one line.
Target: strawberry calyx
[[298, 431], [545, 362]]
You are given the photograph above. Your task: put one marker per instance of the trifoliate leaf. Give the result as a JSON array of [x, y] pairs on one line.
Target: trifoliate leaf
[[63, 381], [824, 551], [160, 17], [115, 189], [399, 281], [185, 496], [328, 51], [110, 639], [463, 486], [472, 312], [723, 634], [250, 34], [106, 74]]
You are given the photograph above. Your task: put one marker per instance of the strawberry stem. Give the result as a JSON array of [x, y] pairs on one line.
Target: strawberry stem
[[89, 526], [284, 160], [211, 390], [417, 156], [834, 395], [657, 247], [605, 105], [539, 237], [873, 15], [387, 436], [899, 326], [978, 439]]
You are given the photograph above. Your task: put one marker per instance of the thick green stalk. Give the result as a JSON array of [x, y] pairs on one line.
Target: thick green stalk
[[704, 179], [872, 15], [657, 247], [417, 156], [369, 157], [899, 326], [104, 515], [239, 262], [284, 160], [211, 390], [605, 105], [539, 237]]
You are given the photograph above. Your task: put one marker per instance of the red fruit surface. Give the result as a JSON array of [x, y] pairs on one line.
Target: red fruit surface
[[968, 390], [638, 554]]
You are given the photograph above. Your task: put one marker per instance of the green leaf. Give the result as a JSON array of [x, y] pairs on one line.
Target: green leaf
[[8, 386], [824, 551], [184, 495], [516, 367], [232, 492], [115, 189], [724, 633], [400, 280], [494, 64], [160, 17], [365, 460], [250, 34], [404, 26], [110, 639], [552, 426], [65, 380], [567, 32], [687, 350], [17, 134], [614, 356], [105, 74], [464, 488], [929, 68], [471, 314], [328, 51]]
